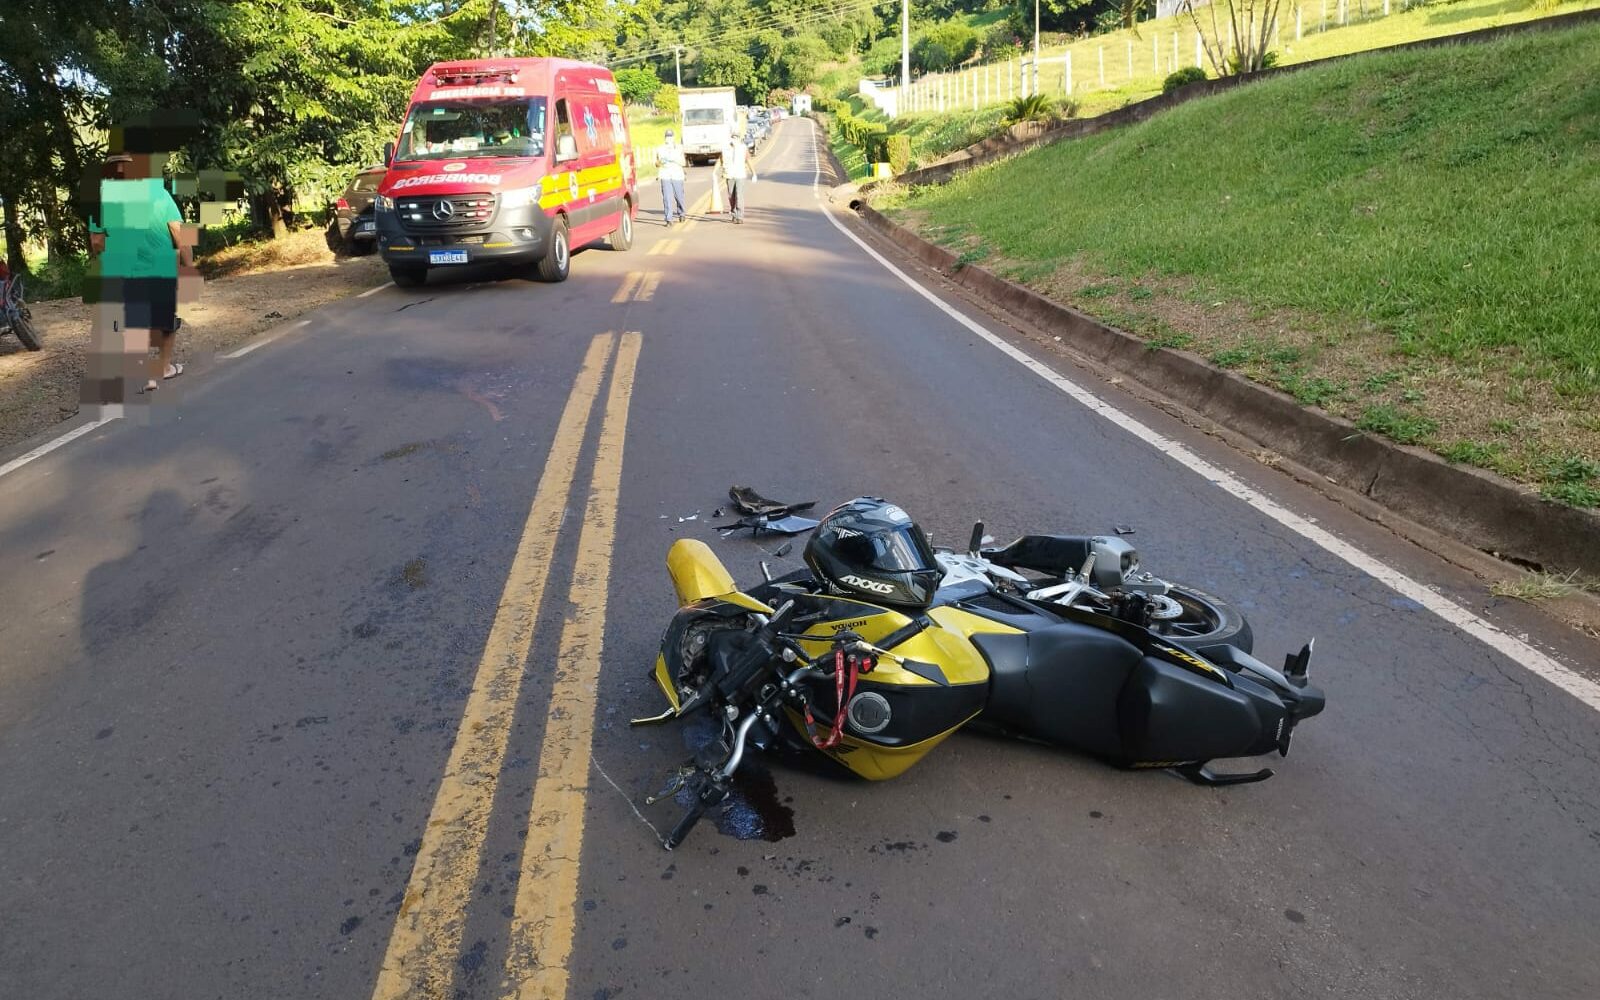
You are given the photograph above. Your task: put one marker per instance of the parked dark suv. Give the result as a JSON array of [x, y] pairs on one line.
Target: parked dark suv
[[351, 229]]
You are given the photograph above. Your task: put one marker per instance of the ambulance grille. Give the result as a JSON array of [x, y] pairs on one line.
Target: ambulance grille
[[445, 212]]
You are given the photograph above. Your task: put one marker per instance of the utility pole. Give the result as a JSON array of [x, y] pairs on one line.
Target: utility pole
[[905, 47], [1035, 46], [677, 65]]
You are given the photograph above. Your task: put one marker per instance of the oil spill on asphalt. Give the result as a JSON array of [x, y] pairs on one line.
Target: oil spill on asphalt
[[753, 809]]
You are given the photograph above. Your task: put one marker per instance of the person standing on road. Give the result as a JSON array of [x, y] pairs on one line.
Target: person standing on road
[[141, 247], [670, 164], [735, 167]]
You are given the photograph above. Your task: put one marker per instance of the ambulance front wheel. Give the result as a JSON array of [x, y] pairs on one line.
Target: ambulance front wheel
[[408, 277], [557, 260]]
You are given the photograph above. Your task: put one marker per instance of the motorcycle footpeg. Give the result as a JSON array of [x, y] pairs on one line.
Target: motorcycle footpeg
[[1201, 774], [655, 720]]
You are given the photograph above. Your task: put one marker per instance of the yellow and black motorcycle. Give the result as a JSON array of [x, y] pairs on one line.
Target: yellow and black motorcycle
[[884, 647]]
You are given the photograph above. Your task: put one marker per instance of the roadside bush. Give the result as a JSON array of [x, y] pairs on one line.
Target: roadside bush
[[1236, 65], [875, 142], [899, 153], [638, 84], [1183, 77], [1001, 42], [58, 278], [1032, 108], [666, 99], [1068, 107], [943, 47]]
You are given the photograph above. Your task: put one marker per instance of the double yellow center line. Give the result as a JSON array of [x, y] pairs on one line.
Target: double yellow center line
[[426, 940]]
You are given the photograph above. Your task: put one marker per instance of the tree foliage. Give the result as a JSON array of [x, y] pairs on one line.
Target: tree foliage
[[293, 94]]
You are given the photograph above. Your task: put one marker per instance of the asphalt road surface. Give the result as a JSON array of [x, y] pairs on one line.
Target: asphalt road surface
[[316, 683]]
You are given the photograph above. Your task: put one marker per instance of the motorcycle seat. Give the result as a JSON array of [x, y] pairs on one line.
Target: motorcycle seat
[[1055, 555]]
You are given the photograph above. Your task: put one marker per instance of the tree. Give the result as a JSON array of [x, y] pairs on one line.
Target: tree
[[725, 68], [943, 47], [638, 84], [1252, 24]]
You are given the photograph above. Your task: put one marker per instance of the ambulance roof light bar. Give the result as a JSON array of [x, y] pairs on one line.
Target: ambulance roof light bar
[[458, 73]]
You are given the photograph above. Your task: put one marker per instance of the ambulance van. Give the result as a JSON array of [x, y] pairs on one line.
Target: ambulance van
[[506, 160]]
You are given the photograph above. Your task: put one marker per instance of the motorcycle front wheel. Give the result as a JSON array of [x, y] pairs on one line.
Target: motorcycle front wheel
[[22, 326], [1204, 620]]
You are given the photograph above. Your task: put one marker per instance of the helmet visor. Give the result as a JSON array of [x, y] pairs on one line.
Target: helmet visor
[[901, 550]]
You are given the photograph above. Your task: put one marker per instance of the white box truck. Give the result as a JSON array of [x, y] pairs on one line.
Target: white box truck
[[709, 117]]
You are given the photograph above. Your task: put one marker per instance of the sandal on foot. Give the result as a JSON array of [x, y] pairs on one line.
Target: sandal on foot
[[177, 369]]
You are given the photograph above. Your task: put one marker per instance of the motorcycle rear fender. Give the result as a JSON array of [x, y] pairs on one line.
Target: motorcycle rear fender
[[698, 575]]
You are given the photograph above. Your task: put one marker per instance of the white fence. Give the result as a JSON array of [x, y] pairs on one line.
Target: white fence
[[1093, 64]]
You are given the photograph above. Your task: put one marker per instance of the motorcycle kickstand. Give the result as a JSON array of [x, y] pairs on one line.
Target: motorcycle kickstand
[[1201, 774]]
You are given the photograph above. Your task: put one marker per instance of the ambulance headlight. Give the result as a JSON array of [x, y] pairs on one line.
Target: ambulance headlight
[[382, 203], [519, 197]]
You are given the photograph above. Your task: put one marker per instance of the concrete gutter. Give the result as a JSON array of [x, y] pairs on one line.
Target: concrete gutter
[[1472, 506]]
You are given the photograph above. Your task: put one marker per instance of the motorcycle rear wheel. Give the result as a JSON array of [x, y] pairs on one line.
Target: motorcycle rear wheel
[[1206, 620]]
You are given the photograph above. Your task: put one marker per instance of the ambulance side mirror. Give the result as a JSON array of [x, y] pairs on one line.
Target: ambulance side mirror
[[566, 148], [388, 153]]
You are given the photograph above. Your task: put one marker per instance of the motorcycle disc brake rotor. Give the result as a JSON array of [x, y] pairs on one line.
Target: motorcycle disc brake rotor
[[1164, 608]]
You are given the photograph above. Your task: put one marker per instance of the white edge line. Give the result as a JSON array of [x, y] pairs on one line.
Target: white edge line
[[49, 446], [263, 342], [374, 291], [1563, 677]]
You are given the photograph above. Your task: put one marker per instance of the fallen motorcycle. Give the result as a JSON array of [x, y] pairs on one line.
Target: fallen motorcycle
[[14, 315], [884, 647]]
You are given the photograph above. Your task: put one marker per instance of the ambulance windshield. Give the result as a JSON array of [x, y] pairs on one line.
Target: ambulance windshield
[[443, 130]]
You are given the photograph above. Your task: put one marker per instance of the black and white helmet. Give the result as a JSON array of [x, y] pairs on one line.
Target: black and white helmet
[[871, 549]]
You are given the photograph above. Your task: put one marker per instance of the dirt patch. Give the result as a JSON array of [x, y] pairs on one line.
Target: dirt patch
[[263, 288], [1501, 413]]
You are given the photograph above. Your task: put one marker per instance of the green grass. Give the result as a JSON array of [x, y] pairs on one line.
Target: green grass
[[1433, 209], [1120, 85], [648, 131]]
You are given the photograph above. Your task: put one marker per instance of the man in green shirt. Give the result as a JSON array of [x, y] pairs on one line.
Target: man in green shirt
[[137, 234]]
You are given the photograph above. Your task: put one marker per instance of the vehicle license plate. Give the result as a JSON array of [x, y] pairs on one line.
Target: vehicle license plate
[[447, 256]]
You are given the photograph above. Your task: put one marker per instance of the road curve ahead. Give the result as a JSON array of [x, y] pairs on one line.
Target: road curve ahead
[[316, 685]]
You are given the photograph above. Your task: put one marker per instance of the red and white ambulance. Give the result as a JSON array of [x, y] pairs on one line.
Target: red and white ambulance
[[506, 160]]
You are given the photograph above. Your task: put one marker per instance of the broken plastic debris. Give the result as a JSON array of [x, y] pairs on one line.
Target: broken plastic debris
[[790, 525], [747, 501], [1123, 529]]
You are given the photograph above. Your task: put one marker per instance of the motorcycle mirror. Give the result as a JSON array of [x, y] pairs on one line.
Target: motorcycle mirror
[[977, 538]]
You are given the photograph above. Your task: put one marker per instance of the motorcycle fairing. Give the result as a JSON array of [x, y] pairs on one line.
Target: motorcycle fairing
[[874, 761], [697, 574]]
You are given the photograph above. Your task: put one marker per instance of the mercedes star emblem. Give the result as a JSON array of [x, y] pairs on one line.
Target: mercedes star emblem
[[444, 210]]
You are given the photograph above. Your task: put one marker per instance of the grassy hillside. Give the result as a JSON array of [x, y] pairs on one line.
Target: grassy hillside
[[1114, 69], [1406, 239]]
